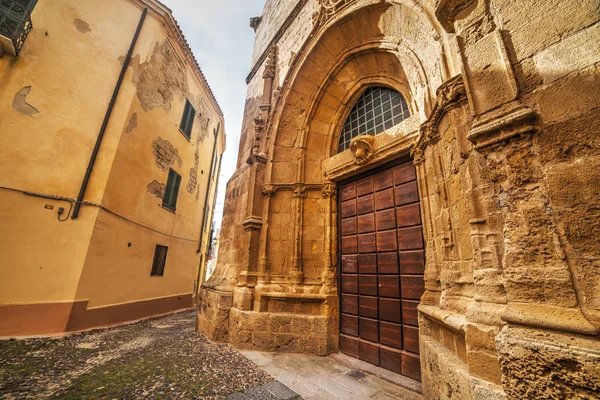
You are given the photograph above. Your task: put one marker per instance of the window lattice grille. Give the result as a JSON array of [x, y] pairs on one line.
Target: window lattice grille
[[377, 110]]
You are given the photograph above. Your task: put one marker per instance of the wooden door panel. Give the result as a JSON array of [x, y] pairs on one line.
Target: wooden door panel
[[406, 193], [390, 359], [348, 208], [411, 366], [412, 262], [350, 304], [386, 220], [384, 199], [369, 352], [383, 180], [386, 241], [408, 215], [349, 245], [389, 286], [382, 266], [390, 334], [364, 186], [350, 284], [368, 329], [367, 243], [366, 223], [348, 191], [367, 263], [350, 325], [412, 287], [349, 345], [368, 285], [409, 312], [365, 204], [410, 340], [387, 263], [390, 310], [410, 238], [349, 264], [349, 226], [368, 307], [404, 173]]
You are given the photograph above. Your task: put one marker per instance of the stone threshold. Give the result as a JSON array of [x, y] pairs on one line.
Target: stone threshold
[[378, 372], [271, 391]]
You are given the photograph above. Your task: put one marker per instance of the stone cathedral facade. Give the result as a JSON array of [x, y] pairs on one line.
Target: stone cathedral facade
[[418, 187]]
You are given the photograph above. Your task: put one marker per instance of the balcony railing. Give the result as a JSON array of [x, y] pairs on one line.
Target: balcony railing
[[15, 25]]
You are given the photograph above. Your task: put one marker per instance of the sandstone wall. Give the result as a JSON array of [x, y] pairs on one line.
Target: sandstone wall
[[503, 132]]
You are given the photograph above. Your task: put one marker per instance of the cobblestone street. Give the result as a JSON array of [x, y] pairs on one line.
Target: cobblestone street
[[158, 358]]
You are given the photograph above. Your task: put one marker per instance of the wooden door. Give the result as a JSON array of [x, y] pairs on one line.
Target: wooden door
[[382, 265]]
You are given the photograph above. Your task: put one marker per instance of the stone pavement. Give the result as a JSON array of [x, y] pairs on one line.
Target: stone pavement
[[333, 377], [160, 358]]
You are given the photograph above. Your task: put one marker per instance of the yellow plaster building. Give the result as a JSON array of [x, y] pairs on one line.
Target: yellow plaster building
[[110, 147]]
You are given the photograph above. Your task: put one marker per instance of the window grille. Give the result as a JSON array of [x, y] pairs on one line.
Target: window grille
[[377, 110], [172, 190], [15, 24], [160, 258], [187, 119]]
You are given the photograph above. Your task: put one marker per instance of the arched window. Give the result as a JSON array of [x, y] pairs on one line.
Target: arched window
[[377, 110]]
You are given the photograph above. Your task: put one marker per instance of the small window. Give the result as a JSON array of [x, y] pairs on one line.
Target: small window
[[377, 110], [30, 4], [172, 190], [160, 257], [187, 120]]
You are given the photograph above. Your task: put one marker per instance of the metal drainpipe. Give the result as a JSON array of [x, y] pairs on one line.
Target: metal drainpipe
[[111, 105], [208, 188]]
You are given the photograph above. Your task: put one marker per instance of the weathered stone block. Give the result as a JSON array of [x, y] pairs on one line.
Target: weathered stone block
[[547, 364]]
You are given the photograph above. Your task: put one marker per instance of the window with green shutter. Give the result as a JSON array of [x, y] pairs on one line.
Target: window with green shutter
[[172, 190], [187, 119]]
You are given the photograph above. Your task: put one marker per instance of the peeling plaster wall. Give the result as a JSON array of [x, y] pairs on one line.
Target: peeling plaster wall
[[66, 73]]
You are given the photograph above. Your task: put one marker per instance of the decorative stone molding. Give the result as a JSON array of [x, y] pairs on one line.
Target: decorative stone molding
[[503, 126], [451, 94], [257, 155], [447, 11], [389, 148], [269, 72], [363, 149], [252, 223], [299, 189], [328, 8]]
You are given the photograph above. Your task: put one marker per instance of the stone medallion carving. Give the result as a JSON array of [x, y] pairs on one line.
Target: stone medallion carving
[[363, 149]]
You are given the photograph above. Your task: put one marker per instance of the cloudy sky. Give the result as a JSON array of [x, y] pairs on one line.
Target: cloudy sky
[[220, 35]]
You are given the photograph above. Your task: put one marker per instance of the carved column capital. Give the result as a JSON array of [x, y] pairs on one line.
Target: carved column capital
[[329, 190], [269, 190]]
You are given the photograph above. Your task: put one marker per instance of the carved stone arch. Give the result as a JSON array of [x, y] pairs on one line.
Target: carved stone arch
[[400, 45]]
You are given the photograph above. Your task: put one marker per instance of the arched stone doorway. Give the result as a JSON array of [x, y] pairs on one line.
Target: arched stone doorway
[[498, 272], [281, 261]]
